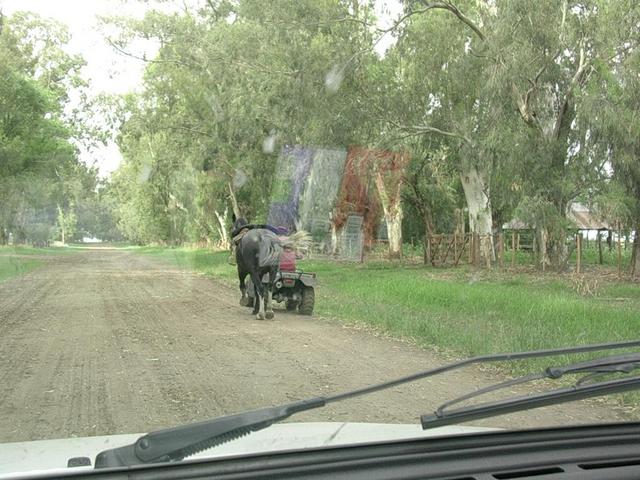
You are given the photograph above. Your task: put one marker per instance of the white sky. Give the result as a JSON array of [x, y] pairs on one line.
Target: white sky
[[107, 70], [111, 72]]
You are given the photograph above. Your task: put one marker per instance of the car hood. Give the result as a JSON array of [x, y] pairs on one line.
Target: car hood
[[18, 460]]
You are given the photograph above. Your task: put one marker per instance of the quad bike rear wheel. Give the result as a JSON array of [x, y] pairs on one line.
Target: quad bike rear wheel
[[308, 301], [291, 305]]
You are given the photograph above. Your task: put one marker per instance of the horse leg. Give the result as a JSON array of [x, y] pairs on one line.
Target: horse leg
[[268, 304], [244, 301], [258, 308]]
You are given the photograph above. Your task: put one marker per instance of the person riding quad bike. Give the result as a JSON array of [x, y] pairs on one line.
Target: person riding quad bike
[[293, 287], [242, 227]]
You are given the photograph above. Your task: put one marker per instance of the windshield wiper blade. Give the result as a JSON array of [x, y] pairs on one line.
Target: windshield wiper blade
[[597, 367], [516, 404], [177, 443], [582, 389]]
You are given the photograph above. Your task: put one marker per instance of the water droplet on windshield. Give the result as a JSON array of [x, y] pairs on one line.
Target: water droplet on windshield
[[333, 79], [269, 144], [144, 173], [216, 107], [239, 179]]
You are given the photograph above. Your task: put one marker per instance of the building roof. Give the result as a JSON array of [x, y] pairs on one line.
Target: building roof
[[579, 214], [585, 219]]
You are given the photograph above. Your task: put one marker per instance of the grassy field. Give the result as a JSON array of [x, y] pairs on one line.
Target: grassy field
[[24, 250], [11, 266], [16, 260], [465, 311]]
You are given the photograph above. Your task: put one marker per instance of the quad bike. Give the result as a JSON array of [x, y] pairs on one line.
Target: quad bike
[[293, 287]]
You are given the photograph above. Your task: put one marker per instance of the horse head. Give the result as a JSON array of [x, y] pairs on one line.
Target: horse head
[[238, 223]]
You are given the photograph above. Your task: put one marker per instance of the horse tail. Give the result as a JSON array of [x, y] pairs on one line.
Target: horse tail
[[300, 241]]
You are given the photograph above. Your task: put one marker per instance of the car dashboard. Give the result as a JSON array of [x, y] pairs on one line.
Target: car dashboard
[[609, 451]]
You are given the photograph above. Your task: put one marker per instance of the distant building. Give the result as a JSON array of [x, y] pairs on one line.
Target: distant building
[[582, 217], [585, 219]]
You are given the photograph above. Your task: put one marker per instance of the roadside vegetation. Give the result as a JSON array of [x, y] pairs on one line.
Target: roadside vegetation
[[19, 260], [11, 266]]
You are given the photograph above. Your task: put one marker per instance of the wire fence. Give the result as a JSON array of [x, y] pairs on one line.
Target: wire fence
[[509, 249]]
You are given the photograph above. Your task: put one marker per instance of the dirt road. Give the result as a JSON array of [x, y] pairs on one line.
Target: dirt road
[[107, 341]]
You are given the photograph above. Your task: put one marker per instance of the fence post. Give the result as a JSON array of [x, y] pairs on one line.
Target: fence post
[[599, 248], [578, 252], [488, 245], [619, 252], [455, 247], [501, 249], [513, 249], [425, 248], [471, 248]]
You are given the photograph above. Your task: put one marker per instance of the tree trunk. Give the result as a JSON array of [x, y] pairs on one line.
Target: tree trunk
[[551, 248], [476, 193], [335, 239], [393, 218], [428, 232], [392, 208], [556, 254], [234, 201], [61, 219], [541, 244], [222, 229], [635, 255], [459, 220]]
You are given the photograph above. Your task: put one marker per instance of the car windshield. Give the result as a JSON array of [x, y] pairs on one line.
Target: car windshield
[[213, 206]]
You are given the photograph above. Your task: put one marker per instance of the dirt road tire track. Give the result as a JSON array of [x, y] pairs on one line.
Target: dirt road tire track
[[108, 341]]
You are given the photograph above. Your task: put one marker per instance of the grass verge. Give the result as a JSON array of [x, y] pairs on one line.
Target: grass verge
[[12, 266], [20, 250], [16, 260], [212, 264]]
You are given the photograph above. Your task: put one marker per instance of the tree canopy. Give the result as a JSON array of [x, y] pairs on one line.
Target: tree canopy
[[42, 182]]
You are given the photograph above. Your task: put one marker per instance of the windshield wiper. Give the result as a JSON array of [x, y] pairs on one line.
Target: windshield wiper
[[174, 444], [583, 388]]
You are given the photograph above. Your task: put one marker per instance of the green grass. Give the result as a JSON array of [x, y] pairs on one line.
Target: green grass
[[12, 266], [213, 264], [474, 312], [24, 250], [14, 260]]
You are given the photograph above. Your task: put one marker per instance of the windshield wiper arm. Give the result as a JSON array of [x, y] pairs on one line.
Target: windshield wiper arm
[[177, 443]]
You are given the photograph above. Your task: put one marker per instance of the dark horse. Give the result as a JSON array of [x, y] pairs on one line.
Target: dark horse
[[258, 252]]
